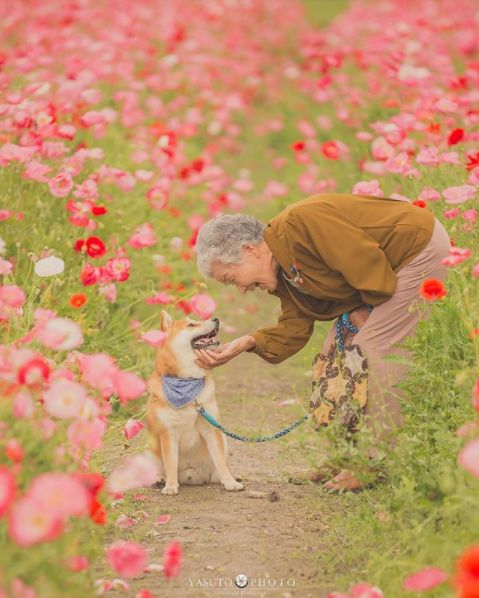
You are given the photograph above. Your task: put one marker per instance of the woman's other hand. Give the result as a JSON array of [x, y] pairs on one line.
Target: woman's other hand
[[211, 358], [359, 316]]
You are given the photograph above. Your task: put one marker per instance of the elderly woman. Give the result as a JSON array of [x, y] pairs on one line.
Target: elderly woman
[[324, 256]]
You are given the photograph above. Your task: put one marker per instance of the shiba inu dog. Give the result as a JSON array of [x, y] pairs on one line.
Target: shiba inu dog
[[188, 448]]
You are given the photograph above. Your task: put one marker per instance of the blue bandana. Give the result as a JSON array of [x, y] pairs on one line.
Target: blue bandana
[[181, 391]]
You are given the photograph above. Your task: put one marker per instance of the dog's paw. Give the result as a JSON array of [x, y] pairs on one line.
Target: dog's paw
[[233, 485], [170, 490]]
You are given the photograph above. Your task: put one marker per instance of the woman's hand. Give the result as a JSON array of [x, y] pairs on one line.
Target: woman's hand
[[211, 358], [358, 318]]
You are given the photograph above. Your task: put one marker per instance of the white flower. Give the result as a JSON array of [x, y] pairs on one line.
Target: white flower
[[49, 266]]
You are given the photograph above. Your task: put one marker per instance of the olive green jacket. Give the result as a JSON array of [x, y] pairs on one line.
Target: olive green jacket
[[349, 248]]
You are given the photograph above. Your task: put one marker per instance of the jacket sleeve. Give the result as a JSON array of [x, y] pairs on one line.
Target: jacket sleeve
[[292, 332], [345, 248]]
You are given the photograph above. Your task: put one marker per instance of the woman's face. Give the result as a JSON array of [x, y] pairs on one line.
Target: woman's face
[[257, 270]]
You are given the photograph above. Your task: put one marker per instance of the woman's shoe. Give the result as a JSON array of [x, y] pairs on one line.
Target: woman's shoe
[[346, 480], [313, 475]]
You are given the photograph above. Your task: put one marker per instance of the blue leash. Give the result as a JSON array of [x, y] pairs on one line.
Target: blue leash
[[343, 319]]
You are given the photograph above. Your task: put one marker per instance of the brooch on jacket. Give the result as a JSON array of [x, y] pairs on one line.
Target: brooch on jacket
[[296, 270]]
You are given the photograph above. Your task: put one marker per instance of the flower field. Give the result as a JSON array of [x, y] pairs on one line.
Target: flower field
[[123, 128]]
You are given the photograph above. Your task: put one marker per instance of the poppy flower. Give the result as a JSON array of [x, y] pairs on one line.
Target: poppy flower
[[455, 136], [99, 210], [95, 247], [432, 289], [467, 573], [172, 559], [419, 203], [330, 150], [77, 300], [298, 146], [473, 161]]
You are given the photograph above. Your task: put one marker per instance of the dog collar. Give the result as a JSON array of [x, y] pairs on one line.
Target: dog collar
[[181, 391]]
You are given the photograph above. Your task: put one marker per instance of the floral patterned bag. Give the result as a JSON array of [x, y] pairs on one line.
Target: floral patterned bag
[[339, 386]]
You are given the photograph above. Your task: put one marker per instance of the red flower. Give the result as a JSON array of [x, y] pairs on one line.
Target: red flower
[[467, 573], [198, 164], [99, 210], [330, 150], [473, 161], [419, 203], [185, 306], [298, 146], [33, 371], [172, 559], [77, 300], [432, 289], [95, 247], [89, 275], [97, 512], [79, 245], [455, 136]]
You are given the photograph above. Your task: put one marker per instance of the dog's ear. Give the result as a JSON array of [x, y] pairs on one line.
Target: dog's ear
[[165, 321]]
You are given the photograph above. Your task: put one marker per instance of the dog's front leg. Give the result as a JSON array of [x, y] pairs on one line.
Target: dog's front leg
[[169, 452], [216, 448]]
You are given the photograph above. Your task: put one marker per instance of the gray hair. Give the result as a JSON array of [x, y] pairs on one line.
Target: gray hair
[[222, 238]]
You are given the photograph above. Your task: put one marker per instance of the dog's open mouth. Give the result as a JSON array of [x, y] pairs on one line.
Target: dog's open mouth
[[206, 340]]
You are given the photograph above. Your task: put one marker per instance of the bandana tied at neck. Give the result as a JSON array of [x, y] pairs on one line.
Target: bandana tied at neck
[[181, 391]]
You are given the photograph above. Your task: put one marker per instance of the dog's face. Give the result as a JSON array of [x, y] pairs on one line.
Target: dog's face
[[185, 335]]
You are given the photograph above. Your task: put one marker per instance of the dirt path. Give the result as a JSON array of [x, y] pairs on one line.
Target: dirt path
[[274, 540]]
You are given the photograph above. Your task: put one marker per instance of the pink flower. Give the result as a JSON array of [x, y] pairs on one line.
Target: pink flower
[[12, 295], [7, 489], [36, 171], [61, 185], [172, 559], [381, 149], [162, 298], [469, 458], [202, 305], [118, 268], [60, 334], [138, 471], [470, 215], [92, 118], [162, 519], [475, 396], [64, 398], [128, 386], [154, 338], [30, 523], [23, 405], [97, 370], [123, 521], [451, 214], [77, 563], [460, 194], [132, 428], [127, 558], [364, 590], [15, 153], [429, 194], [144, 236], [61, 494], [86, 434], [426, 579], [368, 188]]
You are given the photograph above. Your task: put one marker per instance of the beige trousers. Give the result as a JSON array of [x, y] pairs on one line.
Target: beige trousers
[[388, 325]]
